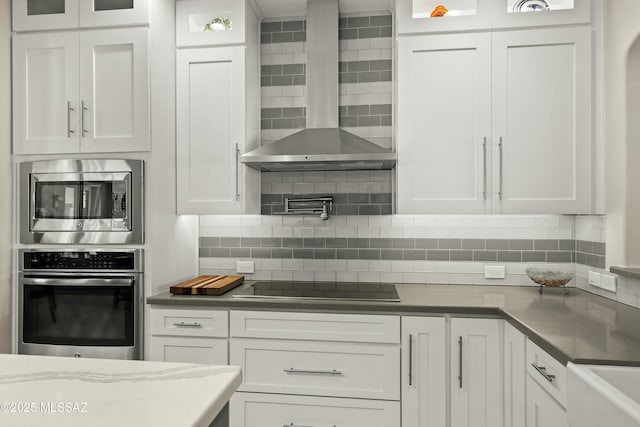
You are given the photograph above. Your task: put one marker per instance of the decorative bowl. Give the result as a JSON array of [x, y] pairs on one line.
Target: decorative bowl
[[549, 278]]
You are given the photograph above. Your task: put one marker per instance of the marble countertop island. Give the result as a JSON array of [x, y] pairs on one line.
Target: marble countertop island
[[57, 391]]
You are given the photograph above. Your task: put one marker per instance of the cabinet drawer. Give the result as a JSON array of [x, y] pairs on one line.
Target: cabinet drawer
[[316, 326], [189, 350], [259, 410], [548, 372], [320, 369], [189, 323]]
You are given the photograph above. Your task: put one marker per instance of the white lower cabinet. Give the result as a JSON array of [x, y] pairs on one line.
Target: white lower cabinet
[[424, 377], [315, 369], [515, 374], [476, 373], [542, 409], [261, 410], [189, 335]]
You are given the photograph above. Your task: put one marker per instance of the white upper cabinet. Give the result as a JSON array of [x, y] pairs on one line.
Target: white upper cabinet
[[444, 124], [210, 22], [114, 109], [211, 130], [428, 16], [45, 93], [495, 122], [542, 121], [81, 92], [37, 15]]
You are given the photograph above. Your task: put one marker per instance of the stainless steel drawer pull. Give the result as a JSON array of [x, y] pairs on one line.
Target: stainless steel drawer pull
[[188, 325], [543, 371], [312, 372]]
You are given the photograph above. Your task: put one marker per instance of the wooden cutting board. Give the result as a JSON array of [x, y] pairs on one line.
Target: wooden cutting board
[[207, 285]]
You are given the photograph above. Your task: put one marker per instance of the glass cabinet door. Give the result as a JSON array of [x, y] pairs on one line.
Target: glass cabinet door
[[521, 13], [33, 15], [422, 16], [206, 22], [103, 13]]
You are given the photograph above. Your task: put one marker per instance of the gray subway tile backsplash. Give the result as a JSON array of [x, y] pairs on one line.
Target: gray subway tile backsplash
[[408, 249], [366, 71]]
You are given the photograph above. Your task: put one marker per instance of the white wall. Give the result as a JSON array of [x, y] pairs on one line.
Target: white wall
[[621, 28], [5, 175]]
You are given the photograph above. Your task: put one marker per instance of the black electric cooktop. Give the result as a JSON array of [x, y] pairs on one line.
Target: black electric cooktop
[[345, 291]]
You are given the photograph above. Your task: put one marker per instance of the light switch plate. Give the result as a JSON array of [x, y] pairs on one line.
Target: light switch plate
[[595, 279], [494, 272], [246, 267], [609, 283]]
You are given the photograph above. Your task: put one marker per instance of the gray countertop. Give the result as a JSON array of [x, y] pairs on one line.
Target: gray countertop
[[580, 328], [631, 272]]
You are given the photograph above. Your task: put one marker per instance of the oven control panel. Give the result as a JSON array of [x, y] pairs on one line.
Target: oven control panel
[[78, 260]]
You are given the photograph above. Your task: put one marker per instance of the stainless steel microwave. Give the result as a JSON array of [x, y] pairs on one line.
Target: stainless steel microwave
[[82, 201]]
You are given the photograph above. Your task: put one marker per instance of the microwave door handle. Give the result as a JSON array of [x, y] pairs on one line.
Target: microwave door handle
[[91, 282]]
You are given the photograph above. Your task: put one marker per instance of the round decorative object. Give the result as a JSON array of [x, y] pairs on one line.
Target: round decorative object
[[530, 6], [549, 278]]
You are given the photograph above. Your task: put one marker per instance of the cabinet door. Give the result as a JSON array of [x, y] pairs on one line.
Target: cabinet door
[[45, 93], [210, 129], [542, 121], [476, 373], [114, 89], [444, 124], [107, 13], [37, 15], [542, 409], [515, 373], [423, 372]]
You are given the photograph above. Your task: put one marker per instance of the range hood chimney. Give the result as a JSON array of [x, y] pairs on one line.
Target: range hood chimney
[[322, 146]]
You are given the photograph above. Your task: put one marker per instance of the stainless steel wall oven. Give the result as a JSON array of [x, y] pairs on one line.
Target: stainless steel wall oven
[[83, 303], [82, 202]]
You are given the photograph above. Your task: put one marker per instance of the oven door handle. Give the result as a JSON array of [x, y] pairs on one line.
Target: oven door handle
[[74, 281]]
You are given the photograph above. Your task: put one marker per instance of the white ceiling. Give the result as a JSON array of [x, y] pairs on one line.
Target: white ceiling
[[284, 8]]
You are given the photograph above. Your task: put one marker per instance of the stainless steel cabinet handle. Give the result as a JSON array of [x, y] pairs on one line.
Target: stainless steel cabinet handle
[[484, 168], [237, 173], [410, 360], [460, 362], [188, 325], [500, 148], [543, 371], [69, 110], [310, 371], [83, 108]]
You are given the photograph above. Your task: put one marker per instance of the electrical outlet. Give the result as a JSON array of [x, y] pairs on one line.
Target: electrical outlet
[[609, 283], [494, 272], [246, 267], [595, 279]]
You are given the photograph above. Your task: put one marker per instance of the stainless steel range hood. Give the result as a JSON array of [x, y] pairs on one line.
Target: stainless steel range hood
[[322, 146]]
